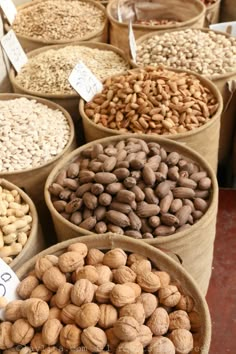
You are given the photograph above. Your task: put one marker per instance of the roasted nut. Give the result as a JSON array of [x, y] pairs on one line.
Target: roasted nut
[[54, 313], [143, 266], [195, 321], [87, 315], [37, 343]]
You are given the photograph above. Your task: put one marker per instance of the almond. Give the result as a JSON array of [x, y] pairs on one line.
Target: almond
[[117, 218], [145, 210], [183, 192], [105, 177]]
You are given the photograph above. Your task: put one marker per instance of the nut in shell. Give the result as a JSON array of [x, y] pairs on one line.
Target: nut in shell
[[179, 319], [144, 335], [103, 292], [149, 282], [70, 261], [94, 339], [87, 315], [94, 256], [82, 292], [133, 310], [50, 332], [132, 347], [70, 336], [149, 302], [124, 274], [159, 322], [108, 316], [182, 340], [104, 274], [122, 295], [37, 311], [115, 258], [87, 272], [22, 332], [160, 345], [53, 278], [169, 295], [126, 328]]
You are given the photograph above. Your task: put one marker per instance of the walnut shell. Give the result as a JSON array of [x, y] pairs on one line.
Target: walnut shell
[[54, 312], [160, 345], [87, 272], [37, 311], [68, 314], [144, 335], [70, 337], [149, 282], [52, 258], [182, 340], [143, 266], [94, 257], [13, 310], [134, 310], [51, 350], [22, 332], [122, 295], [42, 264], [134, 258], [164, 277], [70, 261], [63, 295], [94, 339], [53, 278], [135, 287], [133, 347], [103, 292], [5, 335], [186, 303], [37, 343], [179, 319], [112, 340], [149, 302], [126, 328], [87, 315], [50, 331], [159, 322], [79, 247], [42, 292], [195, 321], [26, 286], [123, 275], [82, 292], [80, 350], [169, 295], [108, 316], [104, 274], [115, 258]]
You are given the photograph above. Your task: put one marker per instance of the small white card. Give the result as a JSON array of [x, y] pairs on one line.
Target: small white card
[[84, 82], [8, 284], [14, 50], [228, 27], [132, 42], [9, 9]]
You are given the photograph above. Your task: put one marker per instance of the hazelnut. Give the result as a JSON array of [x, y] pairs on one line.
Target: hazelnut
[[22, 332], [122, 295], [182, 340], [70, 261], [82, 292], [87, 315], [143, 266], [134, 258], [179, 319], [37, 311], [108, 316], [103, 292], [159, 322], [94, 339], [41, 292], [6, 341], [37, 343], [26, 286], [186, 303], [70, 336], [68, 314], [104, 274], [134, 310], [41, 265], [123, 275], [160, 345], [149, 282], [94, 257], [132, 347], [50, 331], [63, 294], [12, 311], [53, 278], [79, 247], [54, 312], [88, 272], [149, 302], [115, 258], [126, 328], [144, 335], [195, 321], [169, 295], [164, 278], [112, 340]]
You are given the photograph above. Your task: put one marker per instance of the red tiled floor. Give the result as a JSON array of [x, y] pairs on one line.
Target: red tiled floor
[[221, 295]]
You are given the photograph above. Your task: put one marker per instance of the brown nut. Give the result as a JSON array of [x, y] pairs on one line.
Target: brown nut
[[51, 350], [70, 336], [79, 247], [115, 258], [6, 341], [112, 340], [144, 335], [160, 345], [94, 257], [122, 295], [186, 303], [41, 265], [63, 295], [142, 266], [82, 292], [94, 339], [50, 331], [159, 322], [68, 314], [169, 295], [135, 287], [87, 272], [132, 347], [53, 278], [149, 282], [70, 261], [164, 277], [133, 310], [149, 302], [37, 311], [126, 328], [124, 274], [134, 258], [182, 340], [42, 292], [87, 315], [37, 343], [103, 292], [179, 319], [104, 274], [54, 313], [108, 316], [195, 321], [13, 310], [22, 332], [26, 286]]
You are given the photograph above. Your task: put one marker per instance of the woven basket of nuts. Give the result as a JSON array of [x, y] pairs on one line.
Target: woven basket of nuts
[[152, 16], [46, 22], [177, 104], [40, 77], [36, 133], [20, 232], [92, 295], [212, 11], [217, 64], [147, 188]]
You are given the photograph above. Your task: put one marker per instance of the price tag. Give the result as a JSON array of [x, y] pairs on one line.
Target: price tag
[[14, 50], [132, 42], [8, 284], [9, 10], [119, 12], [84, 82], [228, 27]]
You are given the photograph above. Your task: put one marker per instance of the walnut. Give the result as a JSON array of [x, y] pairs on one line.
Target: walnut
[[115, 258], [160, 345], [179, 319], [132, 347], [182, 340], [53, 301], [12, 311], [53, 278], [37, 311], [79, 247], [159, 322], [94, 339], [50, 331], [51, 350], [112, 340], [22, 332], [70, 336], [164, 277], [186, 303], [103, 292], [135, 287], [149, 302], [88, 272], [108, 316], [5, 335], [123, 275], [52, 258], [87, 315], [82, 292], [126, 328], [54, 312], [122, 295], [104, 274], [169, 295], [149, 282], [143, 266], [144, 335], [94, 257], [80, 350], [26, 286], [195, 321], [70, 261], [134, 310], [37, 343], [42, 292], [68, 314], [63, 295], [135, 257], [42, 264]]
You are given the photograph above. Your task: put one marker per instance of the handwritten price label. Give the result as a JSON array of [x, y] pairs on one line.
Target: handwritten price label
[[9, 10], [14, 50], [8, 284], [132, 42], [84, 82]]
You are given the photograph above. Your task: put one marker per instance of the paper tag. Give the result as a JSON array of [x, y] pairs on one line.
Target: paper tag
[[14, 50], [8, 284], [119, 12], [132, 42], [85, 82], [9, 10], [228, 27]]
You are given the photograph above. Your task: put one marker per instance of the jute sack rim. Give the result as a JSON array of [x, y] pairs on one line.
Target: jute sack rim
[[51, 105], [34, 226], [213, 5], [170, 145], [199, 4], [58, 41], [160, 259], [206, 82], [35, 52], [213, 78]]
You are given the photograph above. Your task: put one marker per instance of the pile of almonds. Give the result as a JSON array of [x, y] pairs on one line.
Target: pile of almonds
[[132, 187], [152, 101], [85, 301]]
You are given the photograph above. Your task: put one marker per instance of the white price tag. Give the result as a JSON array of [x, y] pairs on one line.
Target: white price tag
[[9, 10], [8, 284], [119, 12], [14, 50], [85, 82], [228, 27], [132, 42]]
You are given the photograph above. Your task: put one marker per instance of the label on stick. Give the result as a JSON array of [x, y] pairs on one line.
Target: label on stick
[[84, 82], [228, 27], [8, 284], [9, 9], [132, 42], [14, 50]]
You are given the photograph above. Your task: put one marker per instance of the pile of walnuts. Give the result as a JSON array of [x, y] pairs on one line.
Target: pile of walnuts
[[87, 301]]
